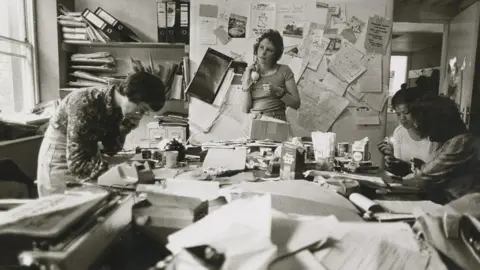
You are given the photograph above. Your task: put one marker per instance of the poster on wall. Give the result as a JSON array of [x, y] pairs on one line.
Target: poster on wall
[[237, 26], [262, 18]]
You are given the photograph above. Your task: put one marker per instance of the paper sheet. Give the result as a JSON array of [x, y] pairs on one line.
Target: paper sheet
[[206, 27], [203, 190], [378, 34], [321, 13], [371, 80], [291, 19], [263, 17], [335, 84], [230, 159], [377, 101], [205, 120], [320, 107], [367, 252], [296, 64], [346, 63], [364, 116], [314, 45]]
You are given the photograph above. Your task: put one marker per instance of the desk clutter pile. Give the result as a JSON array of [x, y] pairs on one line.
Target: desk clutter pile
[[245, 204]]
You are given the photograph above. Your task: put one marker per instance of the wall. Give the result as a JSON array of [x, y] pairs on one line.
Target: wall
[[430, 57]]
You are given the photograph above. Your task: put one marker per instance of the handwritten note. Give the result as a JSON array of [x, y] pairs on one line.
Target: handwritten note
[[378, 34], [351, 253], [320, 107], [314, 45], [346, 63], [263, 17]]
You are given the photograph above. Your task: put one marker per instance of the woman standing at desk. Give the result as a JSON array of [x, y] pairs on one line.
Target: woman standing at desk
[[269, 87], [70, 151], [454, 169]]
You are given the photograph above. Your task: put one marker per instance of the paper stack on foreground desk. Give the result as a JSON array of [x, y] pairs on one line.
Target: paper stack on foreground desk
[[253, 236]]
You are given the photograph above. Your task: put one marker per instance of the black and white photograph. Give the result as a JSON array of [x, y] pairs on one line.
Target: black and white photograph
[[237, 26], [293, 28]]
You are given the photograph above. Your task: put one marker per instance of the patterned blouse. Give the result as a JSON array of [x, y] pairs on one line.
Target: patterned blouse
[[87, 117], [453, 172]]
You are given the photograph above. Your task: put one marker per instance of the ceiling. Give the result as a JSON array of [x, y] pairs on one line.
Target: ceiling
[[431, 11], [415, 41]]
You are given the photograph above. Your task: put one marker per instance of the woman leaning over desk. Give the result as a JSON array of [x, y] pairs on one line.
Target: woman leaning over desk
[[454, 169], [70, 151], [269, 87]]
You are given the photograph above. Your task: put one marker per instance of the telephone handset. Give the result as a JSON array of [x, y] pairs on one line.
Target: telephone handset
[[254, 75]]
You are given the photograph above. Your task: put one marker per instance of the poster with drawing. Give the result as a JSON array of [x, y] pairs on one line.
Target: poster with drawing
[[292, 20], [262, 18]]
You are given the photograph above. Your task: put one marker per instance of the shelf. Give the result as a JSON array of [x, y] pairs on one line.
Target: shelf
[[69, 46]]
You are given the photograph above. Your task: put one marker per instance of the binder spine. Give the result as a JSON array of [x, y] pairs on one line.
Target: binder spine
[[162, 21], [171, 21], [124, 31], [184, 33], [101, 24]]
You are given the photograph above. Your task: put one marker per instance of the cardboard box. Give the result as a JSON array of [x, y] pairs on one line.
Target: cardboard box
[[292, 162], [262, 129]]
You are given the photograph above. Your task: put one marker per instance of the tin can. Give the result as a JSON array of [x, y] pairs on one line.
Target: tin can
[[343, 149]]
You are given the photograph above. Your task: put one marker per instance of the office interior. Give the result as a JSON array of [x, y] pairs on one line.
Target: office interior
[[154, 215]]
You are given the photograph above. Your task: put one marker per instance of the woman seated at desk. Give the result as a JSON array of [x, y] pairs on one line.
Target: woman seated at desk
[[406, 142], [269, 87], [70, 151], [454, 170]]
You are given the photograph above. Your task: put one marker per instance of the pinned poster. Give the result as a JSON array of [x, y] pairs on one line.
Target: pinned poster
[[378, 34], [263, 17]]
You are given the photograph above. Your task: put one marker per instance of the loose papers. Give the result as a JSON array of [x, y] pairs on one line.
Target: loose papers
[[320, 107], [208, 23], [378, 34], [347, 63]]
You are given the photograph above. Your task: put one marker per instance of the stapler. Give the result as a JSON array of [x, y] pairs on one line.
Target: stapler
[[124, 175]]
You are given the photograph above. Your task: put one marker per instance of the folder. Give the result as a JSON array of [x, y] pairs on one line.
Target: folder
[[125, 31], [184, 21], [106, 28], [171, 21], [162, 21]]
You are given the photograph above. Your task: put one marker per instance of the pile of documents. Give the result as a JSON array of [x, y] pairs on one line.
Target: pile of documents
[[252, 235], [89, 69]]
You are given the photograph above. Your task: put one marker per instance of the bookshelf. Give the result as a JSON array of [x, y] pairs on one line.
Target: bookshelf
[[72, 46]]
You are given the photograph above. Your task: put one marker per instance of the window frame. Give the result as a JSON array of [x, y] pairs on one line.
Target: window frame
[[407, 67], [30, 43]]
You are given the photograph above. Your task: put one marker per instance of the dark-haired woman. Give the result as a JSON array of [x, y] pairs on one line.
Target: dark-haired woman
[[70, 150], [454, 169], [406, 143], [269, 87]]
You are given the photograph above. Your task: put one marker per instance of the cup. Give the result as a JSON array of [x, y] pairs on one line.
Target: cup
[[170, 159]]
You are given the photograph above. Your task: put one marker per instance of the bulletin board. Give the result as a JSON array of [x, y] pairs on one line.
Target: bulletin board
[[328, 103]]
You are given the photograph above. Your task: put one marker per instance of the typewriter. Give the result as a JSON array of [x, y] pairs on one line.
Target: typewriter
[[64, 231]]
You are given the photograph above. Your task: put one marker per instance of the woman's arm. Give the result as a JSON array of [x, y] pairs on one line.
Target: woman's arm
[[115, 139], [246, 87], [453, 154]]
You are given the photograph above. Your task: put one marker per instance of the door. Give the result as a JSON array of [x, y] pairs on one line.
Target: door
[[462, 46]]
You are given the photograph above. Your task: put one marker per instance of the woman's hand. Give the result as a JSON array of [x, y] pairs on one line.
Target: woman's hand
[[397, 166], [273, 89], [130, 122], [385, 148]]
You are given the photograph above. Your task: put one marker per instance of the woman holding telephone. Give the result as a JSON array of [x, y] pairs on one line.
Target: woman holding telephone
[[70, 150], [269, 87]]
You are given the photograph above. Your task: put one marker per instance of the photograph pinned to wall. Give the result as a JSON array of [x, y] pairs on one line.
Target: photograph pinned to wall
[[339, 18], [263, 17], [293, 28], [221, 32], [237, 26]]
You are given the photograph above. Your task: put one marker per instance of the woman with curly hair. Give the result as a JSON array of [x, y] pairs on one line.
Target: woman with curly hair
[[269, 87], [70, 150], [454, 169]]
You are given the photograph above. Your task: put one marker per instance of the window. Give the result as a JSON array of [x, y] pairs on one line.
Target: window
[[18, 72], [398, 72]]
